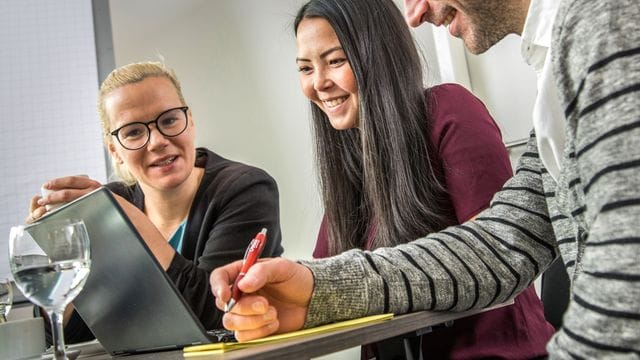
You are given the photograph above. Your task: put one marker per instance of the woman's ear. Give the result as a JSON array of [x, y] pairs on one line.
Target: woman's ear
[[114, 153], [190, 117]]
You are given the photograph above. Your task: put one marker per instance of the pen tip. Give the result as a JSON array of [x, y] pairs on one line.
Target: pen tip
[[263, 231], [229, 305]]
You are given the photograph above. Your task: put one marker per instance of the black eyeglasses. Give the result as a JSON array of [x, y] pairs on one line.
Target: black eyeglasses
[[136, 135]]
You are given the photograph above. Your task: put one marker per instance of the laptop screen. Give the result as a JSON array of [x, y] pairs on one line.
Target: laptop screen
[[128, 301]]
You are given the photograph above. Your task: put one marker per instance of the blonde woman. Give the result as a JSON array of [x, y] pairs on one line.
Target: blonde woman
[[208, 208]]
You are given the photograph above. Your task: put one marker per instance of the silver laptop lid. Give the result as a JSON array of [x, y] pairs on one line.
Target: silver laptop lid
[[128, 301]]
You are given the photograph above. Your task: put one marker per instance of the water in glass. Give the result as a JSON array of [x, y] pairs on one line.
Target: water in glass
[[50, 263]]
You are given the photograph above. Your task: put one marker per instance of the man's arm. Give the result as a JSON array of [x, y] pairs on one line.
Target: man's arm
[[596, 58], [473, 265]]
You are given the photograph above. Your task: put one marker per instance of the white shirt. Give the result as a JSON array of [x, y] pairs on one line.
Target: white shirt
[[548, 116]]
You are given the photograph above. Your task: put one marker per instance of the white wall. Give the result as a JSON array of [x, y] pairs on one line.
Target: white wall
[[502, 79], [48, 89], [236, 62], [499, 77]]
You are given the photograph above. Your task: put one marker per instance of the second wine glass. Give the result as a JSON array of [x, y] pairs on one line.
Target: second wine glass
[[50, 263], [6, 299]]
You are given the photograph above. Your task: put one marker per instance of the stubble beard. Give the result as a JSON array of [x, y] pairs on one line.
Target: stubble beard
[[491, 23]]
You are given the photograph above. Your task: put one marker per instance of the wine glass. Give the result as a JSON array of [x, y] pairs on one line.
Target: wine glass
[[50, 264], [6, 299]]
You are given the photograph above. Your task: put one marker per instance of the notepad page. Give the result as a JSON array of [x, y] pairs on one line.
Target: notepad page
[[48, 93], [215, 348]]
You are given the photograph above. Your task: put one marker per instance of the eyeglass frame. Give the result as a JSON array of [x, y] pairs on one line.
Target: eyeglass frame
[[154, 121]]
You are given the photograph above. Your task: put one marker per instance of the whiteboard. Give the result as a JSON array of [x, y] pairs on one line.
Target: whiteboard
[[48, 94]]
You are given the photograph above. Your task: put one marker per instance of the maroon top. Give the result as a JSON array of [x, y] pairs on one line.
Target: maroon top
[[475, 165]]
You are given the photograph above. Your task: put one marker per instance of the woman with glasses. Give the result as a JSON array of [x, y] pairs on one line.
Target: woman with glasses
[[208, 208]]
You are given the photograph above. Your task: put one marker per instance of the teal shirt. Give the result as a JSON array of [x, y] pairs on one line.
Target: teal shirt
[[176, 239]]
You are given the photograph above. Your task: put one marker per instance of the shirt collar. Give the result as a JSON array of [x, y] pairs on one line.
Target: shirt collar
[[536, 35]]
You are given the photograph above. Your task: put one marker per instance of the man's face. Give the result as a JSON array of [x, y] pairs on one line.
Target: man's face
[[479, 23]]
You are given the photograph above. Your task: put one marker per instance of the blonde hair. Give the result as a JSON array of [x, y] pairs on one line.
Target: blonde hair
[[125, 75]]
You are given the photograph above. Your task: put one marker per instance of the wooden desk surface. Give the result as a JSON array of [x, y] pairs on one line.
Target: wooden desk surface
[[313, 345]]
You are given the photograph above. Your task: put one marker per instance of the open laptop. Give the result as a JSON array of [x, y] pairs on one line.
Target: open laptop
[[128, 301]]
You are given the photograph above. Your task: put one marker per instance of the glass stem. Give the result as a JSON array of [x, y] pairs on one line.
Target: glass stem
[[3, 318], [57, 333]]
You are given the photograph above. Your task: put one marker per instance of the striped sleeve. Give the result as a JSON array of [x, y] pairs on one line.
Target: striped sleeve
[[472, 265], [597, 66]]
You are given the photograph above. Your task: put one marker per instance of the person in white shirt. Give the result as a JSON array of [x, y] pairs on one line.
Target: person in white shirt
[[481, 24]]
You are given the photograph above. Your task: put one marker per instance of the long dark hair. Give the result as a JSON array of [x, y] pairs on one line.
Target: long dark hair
[[380, 177]]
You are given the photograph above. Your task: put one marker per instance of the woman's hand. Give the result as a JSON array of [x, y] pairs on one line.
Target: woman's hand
[[61, 190], [276, 297], [35, 211]]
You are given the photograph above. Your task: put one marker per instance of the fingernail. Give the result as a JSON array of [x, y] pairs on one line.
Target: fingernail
[[249, 280], [258, 307]]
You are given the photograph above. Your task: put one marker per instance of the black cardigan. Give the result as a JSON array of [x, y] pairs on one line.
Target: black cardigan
[[233, 202]]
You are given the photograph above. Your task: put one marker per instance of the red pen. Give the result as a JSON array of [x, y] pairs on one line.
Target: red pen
[[250, 257]]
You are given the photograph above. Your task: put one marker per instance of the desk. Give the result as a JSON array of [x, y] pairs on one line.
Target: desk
[[313, 345]]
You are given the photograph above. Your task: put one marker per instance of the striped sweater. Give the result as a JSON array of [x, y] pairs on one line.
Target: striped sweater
[[590, 216]]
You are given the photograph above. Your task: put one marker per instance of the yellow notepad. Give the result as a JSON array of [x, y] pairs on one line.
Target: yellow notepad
[[217, 348]]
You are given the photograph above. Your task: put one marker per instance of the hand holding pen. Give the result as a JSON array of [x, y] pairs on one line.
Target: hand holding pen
[[250, 257], [276, 299]]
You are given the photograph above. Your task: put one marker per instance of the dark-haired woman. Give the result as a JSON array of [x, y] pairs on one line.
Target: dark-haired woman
[[397, 162]]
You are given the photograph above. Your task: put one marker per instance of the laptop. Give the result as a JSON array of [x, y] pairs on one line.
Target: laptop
[[128, 301]]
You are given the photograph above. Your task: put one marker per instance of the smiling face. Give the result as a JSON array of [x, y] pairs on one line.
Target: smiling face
[[165, 162], [326, 77], [479, 23]]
